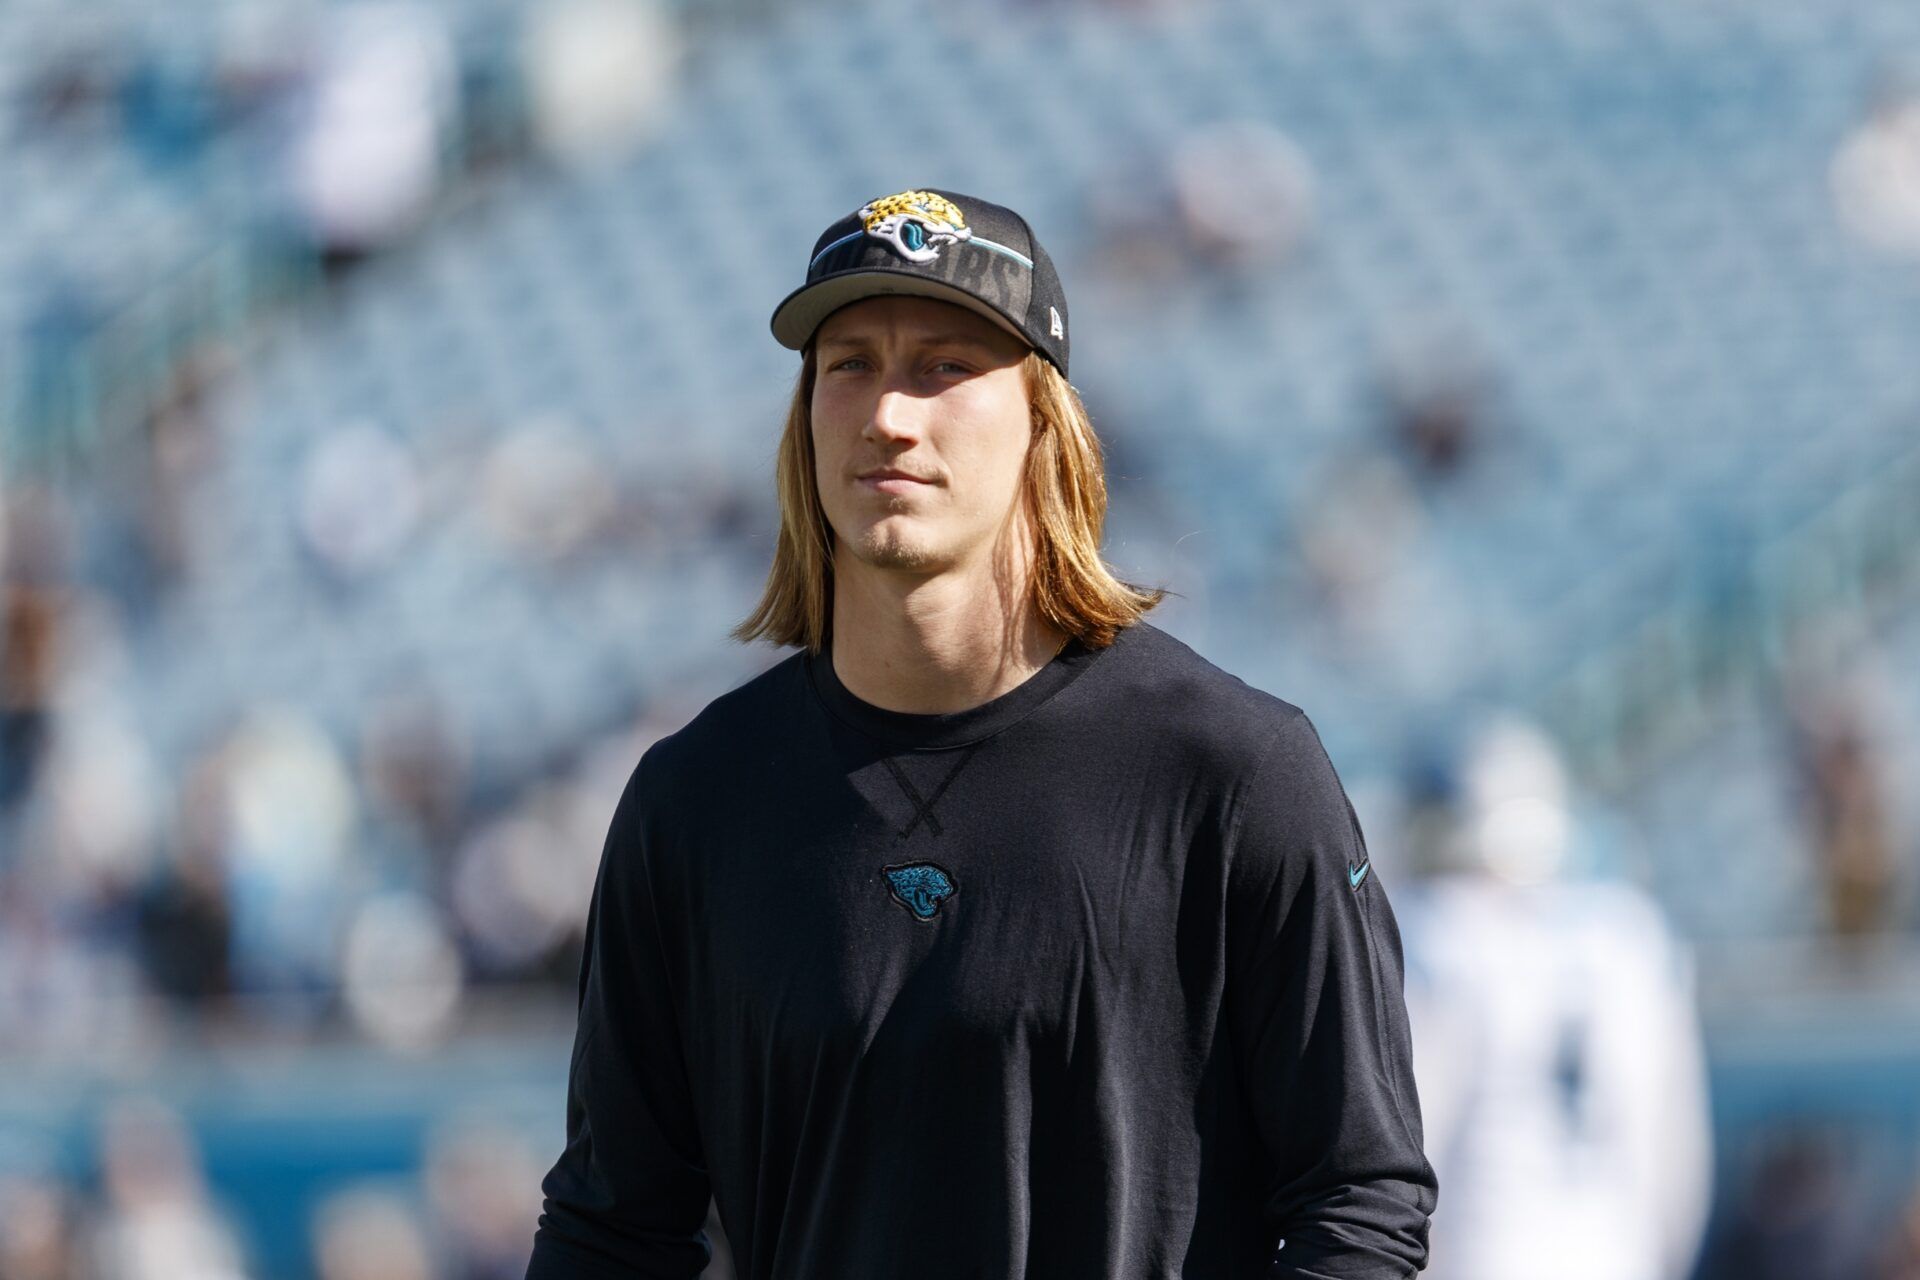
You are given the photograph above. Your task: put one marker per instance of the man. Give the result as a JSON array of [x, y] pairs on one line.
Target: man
[[995, 933]]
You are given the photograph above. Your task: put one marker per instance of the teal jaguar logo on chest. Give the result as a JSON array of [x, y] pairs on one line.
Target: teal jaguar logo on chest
[[920, 887]]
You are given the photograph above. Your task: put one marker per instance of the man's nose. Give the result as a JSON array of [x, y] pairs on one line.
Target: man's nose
[[896, 413]]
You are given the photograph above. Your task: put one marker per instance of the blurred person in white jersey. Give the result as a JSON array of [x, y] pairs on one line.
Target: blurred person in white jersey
[[1557, 1050]]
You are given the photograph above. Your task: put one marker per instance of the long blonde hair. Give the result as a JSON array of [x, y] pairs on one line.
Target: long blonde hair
[[1065, 482]]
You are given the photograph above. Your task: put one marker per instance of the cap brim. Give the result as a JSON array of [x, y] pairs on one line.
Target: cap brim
[[801, 312]]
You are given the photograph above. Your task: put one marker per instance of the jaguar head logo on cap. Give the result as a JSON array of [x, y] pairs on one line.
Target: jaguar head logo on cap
[[916, 223]]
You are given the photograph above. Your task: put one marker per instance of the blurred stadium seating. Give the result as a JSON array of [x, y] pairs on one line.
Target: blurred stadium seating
[[1447, 355]]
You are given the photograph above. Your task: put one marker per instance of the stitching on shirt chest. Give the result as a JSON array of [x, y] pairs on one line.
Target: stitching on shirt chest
[[924, 808]]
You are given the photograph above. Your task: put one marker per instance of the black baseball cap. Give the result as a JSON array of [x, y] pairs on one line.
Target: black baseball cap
[[936, 244]]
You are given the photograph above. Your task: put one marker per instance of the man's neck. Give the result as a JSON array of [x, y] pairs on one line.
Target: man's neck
[[935, 645]]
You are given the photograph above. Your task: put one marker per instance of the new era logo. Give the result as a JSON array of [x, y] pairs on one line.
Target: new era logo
[[1057, 327]]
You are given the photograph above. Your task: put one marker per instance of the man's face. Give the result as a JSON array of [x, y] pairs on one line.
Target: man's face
[[932, 390]]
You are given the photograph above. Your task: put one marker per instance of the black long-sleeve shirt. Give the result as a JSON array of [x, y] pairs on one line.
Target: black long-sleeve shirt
[[1093, 980]]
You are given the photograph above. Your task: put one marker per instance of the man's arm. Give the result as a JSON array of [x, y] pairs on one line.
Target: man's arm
[[1318, 1019], [628, 1196]]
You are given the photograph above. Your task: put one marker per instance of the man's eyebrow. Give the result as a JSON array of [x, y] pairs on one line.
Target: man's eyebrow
[[860, 337]]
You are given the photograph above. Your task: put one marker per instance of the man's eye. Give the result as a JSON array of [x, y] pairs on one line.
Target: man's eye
[[852, 361]]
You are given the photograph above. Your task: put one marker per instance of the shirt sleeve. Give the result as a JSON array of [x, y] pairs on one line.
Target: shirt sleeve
[[628, 1197], [1319, 1023]]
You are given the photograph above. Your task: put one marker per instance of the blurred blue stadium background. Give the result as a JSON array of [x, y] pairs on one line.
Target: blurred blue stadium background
[[387, 413]]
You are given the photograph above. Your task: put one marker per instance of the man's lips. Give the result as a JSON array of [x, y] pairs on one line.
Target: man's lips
[[887, 480]]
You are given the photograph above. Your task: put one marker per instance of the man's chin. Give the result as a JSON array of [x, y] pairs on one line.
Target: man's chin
[[906, 555], [905, 560]]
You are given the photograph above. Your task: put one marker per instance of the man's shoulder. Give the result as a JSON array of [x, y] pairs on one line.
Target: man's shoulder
[[731, 724], [1165, 682]]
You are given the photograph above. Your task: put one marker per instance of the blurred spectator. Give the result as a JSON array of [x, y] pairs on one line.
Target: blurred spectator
[[360, 500], [1231, 198], [1875, 176], [544, 492], [1364, 538], [1902, 1261], [163, 479], [186, 919], [70, 89], [96, 827], [400, 972], [483, 1182], [37, 1218], [600, 74], [292, 810], [367, 156], [365, 1233], [1794, 1217], [1135, 219], [44, 977], [258, 65], [1844, 793], [29, 627], [1559, 1062], [413, 758], [1245, 194], [32, 607], [157, 1222], [514, 910], [1435, 383], [1359, 530], [522, 882]]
